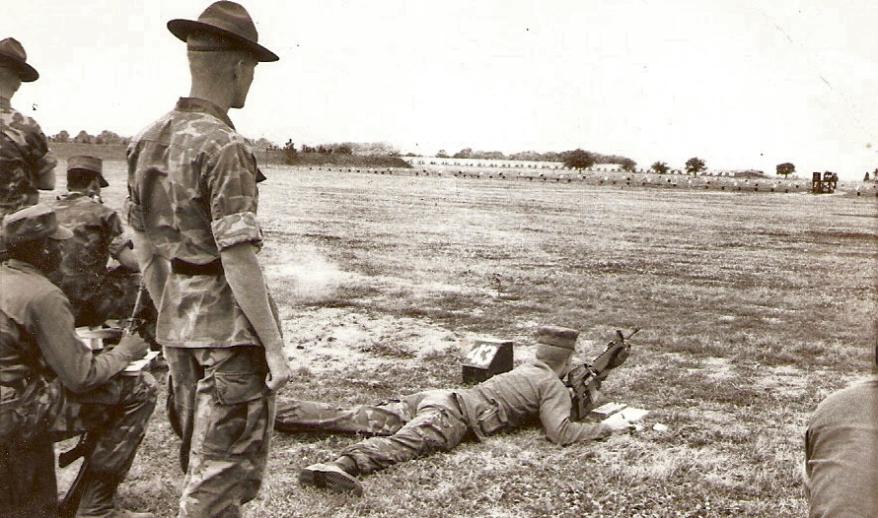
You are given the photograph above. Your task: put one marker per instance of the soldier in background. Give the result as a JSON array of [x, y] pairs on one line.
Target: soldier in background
[[439, 420], [25, 162], [95, 293], [51, 384], [193, 199]]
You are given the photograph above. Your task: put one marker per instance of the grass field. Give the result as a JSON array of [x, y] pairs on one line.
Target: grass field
[[753, 308]]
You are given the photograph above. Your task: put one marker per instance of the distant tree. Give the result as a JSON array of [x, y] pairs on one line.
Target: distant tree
[[442, 154], [61, 136], [628, 164], [463, 153], [83, 138], [695, 165], [785, 169], [290, 153], [659, 167], [579, 159], [866, 178], [344, 149]]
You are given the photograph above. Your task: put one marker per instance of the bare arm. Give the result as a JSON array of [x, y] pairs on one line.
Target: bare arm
[[248, 286]]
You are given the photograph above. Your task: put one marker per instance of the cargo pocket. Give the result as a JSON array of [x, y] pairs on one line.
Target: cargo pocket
[[239, 414], [492, 419]]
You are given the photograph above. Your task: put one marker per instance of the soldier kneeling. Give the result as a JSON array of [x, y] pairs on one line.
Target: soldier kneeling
[[51, 384]]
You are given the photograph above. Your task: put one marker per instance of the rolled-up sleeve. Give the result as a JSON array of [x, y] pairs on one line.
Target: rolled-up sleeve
[[233, 197]]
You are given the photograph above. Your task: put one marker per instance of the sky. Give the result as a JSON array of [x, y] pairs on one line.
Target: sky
[[740, 83]]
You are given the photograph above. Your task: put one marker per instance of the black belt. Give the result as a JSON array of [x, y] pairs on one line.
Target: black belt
[[182, 267]]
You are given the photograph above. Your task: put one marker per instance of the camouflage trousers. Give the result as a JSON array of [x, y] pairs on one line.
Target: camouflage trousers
[[403, 430], [220, 407], [114, 415]]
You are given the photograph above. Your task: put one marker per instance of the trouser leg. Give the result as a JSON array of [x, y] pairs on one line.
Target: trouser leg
[[115, 416], [383, 419], [226, 416], [438, 425]]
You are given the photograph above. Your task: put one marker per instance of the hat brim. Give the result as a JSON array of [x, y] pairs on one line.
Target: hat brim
[[61, 233], [183, 28], [26, 73]]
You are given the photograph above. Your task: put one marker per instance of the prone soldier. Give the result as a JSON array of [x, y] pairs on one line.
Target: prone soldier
[[26, 165], [441, 419], [51, 384]]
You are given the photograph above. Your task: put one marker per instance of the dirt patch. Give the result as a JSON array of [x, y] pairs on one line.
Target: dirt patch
[[325, 340]]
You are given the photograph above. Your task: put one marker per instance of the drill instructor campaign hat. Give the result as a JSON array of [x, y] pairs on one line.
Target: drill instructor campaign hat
[[228, 20], [32, 223], [12, 54], [86, 164]]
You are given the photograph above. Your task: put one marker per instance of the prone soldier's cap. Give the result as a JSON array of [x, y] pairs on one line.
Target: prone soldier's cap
[[556, 336], [33, 223], [12, 54], [228, 20], [79, 164]]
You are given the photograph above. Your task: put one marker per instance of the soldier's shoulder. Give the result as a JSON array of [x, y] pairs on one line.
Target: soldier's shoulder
[[19, 120]]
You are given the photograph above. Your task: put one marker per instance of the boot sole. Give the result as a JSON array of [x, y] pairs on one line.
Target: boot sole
[[330, 479]]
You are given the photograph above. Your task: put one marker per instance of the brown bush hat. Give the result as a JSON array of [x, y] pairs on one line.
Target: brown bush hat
[[228, 20], [86, 164], [32, 223], [13, 54]]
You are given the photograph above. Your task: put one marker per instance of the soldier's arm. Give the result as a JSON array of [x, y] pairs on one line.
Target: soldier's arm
[[121, 248], [248, 286], [42, 161], [555, 417], [72, 361], [231, 181], [153, 267]]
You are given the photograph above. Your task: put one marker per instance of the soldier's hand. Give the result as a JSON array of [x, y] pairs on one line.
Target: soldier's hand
[[279, 372], [618, 424], [134, 345]]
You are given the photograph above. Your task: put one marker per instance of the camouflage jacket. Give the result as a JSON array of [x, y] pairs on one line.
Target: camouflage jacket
[[530, 391], [97, 235], [192, 192], [24, 158], [37, 338]]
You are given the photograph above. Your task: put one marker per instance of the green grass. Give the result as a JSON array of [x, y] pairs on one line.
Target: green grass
[[753, 308]]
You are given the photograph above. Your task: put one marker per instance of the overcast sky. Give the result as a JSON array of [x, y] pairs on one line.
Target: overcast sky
[[740, 83]]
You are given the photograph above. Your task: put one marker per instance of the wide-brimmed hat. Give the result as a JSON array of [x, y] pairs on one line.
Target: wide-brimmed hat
[[86, 164], [228, 20], [13, 54], [32, 223]]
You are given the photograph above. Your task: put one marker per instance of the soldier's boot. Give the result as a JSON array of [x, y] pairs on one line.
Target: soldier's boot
[[334, 476], [98, 497]]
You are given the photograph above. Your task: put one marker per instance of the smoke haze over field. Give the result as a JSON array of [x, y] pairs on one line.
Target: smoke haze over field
[[741, 84]]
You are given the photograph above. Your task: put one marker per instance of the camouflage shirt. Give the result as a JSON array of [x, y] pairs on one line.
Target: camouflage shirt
[[192, 190], [24, 158], [97, 234], [37, 337], [529, 391]]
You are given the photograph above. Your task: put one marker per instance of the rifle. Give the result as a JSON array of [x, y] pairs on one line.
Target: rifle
[[585, 380]]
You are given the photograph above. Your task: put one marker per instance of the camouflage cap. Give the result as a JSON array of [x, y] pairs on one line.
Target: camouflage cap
[[556, 336], [12, 54], [86, 164], [32, 223]]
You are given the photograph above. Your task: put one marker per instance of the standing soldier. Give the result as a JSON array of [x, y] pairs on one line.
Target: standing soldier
[[193, 197], [25, 162], [94, 293], [51, 385]]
